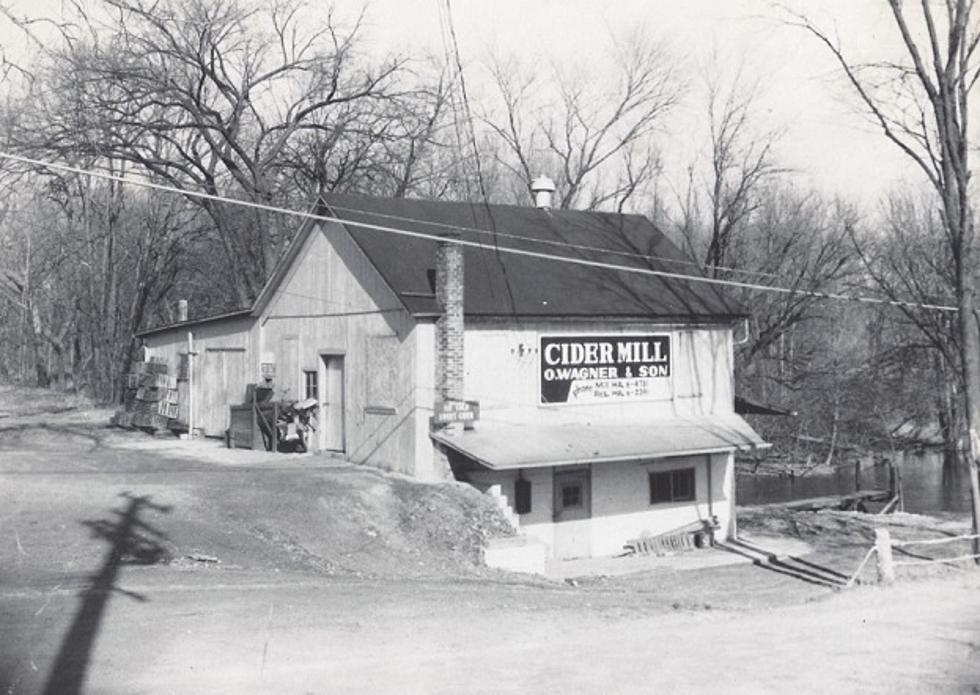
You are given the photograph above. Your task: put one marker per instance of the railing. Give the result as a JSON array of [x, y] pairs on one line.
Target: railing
[[886, 563]]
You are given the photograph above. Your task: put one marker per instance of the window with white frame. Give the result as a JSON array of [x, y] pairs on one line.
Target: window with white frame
[[310, 384]]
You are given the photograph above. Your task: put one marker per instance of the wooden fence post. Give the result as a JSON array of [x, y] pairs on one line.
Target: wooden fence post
[[900, 492], [883, 546]]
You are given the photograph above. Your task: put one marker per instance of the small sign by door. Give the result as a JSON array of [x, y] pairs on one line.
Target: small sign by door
[[447, 412]]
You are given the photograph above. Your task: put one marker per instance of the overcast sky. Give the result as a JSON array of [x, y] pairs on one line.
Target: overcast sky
[[826, 141]]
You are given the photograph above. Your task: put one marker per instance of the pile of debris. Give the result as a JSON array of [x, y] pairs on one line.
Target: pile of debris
[[150, 399]]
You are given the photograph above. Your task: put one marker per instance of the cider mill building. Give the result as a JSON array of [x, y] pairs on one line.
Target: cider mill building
[[600, 401]]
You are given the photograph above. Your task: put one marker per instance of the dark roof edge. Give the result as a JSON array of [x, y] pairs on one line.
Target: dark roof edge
[[747, 406], [398, 295], [622, 318], [240, 313], [285, 261]]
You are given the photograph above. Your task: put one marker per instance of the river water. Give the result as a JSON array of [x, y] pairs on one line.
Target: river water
[[927, 484]]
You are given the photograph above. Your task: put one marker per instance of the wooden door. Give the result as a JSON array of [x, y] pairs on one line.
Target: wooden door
[[222, 385], [331, 391], [573, 513]]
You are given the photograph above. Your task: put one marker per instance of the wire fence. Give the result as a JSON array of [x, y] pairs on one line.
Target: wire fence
[[935, 541], [885, 563]]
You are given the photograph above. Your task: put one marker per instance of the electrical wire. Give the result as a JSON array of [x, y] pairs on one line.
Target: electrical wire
[[552, 242], [471, 129], [650, 272]]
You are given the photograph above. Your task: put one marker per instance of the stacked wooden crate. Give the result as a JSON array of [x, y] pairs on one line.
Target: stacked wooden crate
[[150, 399]]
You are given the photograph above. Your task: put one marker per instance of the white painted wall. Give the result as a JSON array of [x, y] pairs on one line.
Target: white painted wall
[[621, 509], [503, 367]]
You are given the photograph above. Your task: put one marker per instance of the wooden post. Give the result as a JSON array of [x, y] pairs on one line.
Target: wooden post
[[899, 492], [190, 385], [883, 554], [975, 486], [857, 475], [275, 426]]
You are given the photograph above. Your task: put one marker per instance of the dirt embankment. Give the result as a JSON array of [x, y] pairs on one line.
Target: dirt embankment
[[365, 522], [300, 511]]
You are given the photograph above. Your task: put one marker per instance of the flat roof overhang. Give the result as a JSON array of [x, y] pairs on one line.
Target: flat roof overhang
[[507, 445]]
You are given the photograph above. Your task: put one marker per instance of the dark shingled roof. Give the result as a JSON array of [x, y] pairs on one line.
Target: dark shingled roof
[[503, 284]]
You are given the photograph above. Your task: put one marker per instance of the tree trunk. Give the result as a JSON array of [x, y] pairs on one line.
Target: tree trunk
[[951, 426], [970, 349]]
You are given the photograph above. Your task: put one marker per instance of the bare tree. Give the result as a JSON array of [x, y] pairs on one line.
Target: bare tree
[[796, 242], [921, 103], [911, 264], [83, 264], [390, 146], [726, 185], [740, 162], [598, 143], [207, 96]]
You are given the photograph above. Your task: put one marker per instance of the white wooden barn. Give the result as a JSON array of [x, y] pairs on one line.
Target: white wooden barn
[[605, 398]]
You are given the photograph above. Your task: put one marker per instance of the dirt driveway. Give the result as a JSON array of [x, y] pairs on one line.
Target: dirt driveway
[[287, 635], [129, 570]]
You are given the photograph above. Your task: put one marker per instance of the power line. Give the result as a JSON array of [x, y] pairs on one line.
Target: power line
[[552, 242], [476, 244], [476, 155], [528, 239]]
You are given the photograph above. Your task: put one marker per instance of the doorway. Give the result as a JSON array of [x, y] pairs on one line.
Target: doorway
[[331, 395], [572, 513]]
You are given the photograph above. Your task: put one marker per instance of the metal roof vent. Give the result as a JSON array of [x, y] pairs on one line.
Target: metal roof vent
[[542, 187]]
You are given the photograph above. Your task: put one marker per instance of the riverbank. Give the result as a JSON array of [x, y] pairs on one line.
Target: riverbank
[[929, 484]]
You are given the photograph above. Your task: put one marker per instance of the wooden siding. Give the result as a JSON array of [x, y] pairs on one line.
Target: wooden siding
[[222, 367], [333, 301], [224, 371]]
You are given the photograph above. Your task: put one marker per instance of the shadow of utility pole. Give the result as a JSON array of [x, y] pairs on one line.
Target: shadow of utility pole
[[131, 542]]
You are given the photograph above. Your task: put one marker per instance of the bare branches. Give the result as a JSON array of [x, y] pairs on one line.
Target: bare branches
[[904, 135], [214, 95], [584, 138], [927, 118], [741, 162]]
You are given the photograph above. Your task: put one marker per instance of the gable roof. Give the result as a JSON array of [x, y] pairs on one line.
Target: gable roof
[[501, 284], [498, 283]]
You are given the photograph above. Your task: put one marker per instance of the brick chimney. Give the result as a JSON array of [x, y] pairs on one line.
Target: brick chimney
[[449, 326]]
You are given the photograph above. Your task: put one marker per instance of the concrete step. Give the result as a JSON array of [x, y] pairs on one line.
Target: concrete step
[[503, 503], [517, 554]]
